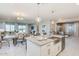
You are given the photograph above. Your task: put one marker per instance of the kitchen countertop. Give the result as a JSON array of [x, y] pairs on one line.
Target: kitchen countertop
[[58, 36], [39, 40]]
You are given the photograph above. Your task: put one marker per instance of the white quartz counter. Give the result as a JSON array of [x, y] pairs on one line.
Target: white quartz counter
[[41, 40], [58, 36]]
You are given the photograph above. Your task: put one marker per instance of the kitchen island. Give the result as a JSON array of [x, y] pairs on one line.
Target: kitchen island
[[44, 46]]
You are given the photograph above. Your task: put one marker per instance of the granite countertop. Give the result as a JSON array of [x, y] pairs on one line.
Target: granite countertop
[[40, 40]]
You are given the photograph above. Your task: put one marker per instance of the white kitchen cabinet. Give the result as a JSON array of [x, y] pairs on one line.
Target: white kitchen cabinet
[[56, 48], [49, 49], [32, 49], [52, 49], [45, 49]]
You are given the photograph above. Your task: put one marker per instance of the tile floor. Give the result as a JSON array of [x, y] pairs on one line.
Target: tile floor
[[71, 49], [18, 50]]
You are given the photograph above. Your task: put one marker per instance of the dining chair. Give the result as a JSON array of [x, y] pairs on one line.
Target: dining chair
[[20, 38], [4, 41]]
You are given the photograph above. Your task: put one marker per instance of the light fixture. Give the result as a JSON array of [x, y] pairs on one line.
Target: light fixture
[[62, 19], [20, 18], [19, 15], [38, 17], [52, 22]]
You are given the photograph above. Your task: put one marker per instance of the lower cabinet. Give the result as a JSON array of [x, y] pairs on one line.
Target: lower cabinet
[[32, 49], [56, 48], [49, 49], [45, 50]]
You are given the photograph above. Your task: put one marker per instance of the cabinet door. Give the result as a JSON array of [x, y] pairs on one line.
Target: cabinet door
[[32, 49], [57, 48], [45, 50], [52, 49]]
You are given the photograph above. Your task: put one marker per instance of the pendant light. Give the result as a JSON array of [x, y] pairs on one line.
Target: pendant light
[[38, 18]]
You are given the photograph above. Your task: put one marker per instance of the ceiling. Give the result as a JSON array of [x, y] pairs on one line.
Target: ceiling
[[32, 10]]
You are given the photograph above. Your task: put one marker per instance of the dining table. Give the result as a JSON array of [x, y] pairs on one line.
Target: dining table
[[10, 37]]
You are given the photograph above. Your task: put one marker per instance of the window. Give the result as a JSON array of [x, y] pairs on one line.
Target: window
[[22, 28], [10, 27], [7, 27]]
